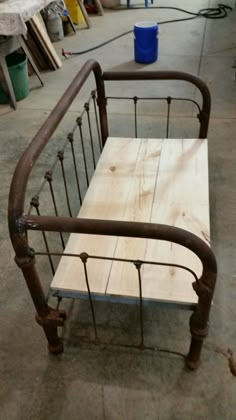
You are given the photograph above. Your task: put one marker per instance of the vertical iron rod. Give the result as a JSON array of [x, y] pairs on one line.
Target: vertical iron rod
[[35, 203], [79, 122], [84, 259], [168, 116], [135, 99], [86, 106], [71, 140], [61, 158], [48, 177], [138, 265], [59, 300], [96, 117]]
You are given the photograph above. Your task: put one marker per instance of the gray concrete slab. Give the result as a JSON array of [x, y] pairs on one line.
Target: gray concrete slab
[[224, 44], [219, 75]]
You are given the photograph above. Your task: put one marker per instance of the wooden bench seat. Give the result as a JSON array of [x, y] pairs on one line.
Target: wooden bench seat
[[147, 180]]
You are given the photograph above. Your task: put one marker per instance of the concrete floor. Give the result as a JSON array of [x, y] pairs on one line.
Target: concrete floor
[[88, 382]]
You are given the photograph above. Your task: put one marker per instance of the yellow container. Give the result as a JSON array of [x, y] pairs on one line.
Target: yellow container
[[74, 11]]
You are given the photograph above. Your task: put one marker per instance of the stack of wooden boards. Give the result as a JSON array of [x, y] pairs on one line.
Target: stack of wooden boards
[[40, 45]]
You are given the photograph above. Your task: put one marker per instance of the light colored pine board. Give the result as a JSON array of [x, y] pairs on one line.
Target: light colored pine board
[[40, 30], [161, 181], [123, 278], [105, 199], [181, 199]]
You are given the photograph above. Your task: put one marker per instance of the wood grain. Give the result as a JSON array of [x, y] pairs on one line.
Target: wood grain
[[123, 278], [105, 199], [39, 32], [181, 199], [149, 180]]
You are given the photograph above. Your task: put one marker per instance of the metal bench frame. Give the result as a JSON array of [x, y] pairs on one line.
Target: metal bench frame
[[19, 222]]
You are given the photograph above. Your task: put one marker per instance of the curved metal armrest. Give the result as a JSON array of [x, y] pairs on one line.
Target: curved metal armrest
[[130, 229], [41, 139], [204, 287]]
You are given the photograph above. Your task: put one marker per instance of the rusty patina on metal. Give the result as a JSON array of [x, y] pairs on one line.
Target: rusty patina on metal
[[19, 223]]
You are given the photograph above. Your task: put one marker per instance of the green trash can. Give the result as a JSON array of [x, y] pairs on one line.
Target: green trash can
[[18, 71]]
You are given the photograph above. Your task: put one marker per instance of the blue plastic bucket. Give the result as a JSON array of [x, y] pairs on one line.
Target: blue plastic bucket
[[145, 42]]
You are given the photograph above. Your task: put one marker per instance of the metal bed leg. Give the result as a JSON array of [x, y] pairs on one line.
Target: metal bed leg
[[49, 319], [50, 323], [204, 288]]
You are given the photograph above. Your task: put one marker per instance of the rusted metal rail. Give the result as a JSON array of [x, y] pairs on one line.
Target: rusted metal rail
[[20, 222]]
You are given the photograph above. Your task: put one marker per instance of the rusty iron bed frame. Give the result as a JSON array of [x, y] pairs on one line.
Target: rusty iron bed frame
[[21, 222]]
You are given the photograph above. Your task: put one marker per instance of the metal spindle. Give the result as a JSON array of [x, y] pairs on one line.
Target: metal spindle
[[96, 117], [60, 155], [87, 108], [48, 177], [35, 203], [168, 116], [79, 122], [135, 99], [84, 258], [71, 140], [59, 300], [138, 265]]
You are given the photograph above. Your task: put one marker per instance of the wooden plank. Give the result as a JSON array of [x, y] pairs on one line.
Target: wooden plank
[[35, 49], [43, 39], [84, 13], [161, 181], [181, 199], [105, 199], [183, 168], [99, 7], [41, 31], [123, 279]]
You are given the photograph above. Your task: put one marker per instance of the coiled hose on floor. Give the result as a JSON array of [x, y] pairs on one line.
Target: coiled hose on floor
[[219, 12]]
